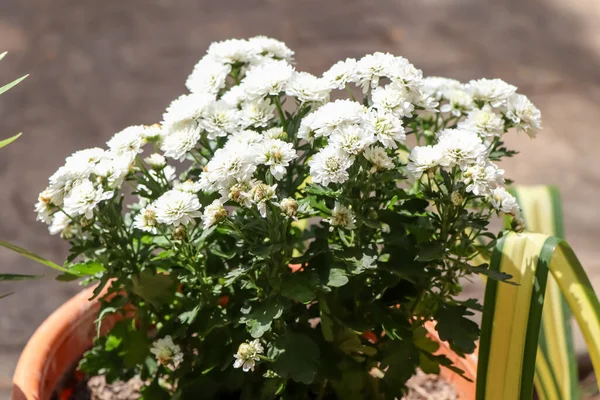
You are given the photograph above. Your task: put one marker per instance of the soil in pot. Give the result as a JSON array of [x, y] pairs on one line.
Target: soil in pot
[[421, 387]]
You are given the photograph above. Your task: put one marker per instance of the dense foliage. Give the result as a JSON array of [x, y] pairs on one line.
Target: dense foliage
[[280, 244]]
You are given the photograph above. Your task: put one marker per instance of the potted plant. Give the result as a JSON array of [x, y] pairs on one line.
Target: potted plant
[[380, 200]]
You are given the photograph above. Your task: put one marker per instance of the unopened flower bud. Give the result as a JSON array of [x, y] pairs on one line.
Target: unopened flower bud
[[179, 233], [456, 198], [289, 207]]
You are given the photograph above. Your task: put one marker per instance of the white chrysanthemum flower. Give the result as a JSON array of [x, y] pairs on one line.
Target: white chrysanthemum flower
[[177, 208], [128, 142], [276, 154], [403, 74], [188, 186], [439, 87], [246, 137], [83, 199], [152, 133], [485, 122], [494, 92], [179, 143], [459, 102], [239, 192], [232, 51], [524, 114], [331, 116], [63, 180], [257, 113], [219, 119], [353, 139], [81, 162], [261, 194], [209, 76], [341, 217], [504, 202], [275, 133], [167, 352], [378, 157], [214, 213], [234, 97], [341, 73], [146, 220], [114, 170], [289, 207], [388, 128], [247, 355], [482, 177], [371, 68], [423, 158], [44, 207], [393, 99], [460, 147], [308, 88], [330, 165], [228, 165], [272, 48], [185, 111], [267, 79], [156, 161], [63, 224]]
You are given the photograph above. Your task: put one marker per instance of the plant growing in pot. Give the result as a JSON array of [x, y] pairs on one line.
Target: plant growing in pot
[[281, 244]]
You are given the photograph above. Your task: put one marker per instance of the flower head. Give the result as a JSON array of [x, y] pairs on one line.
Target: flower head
[[308, 88], [494, 92], [379, 158], [209, 76], [177, 208], [330, 165], [247, 355], [504, 202], [485, 122], [526, 116], [423, 158], [482, 177], [276, 154], [460, 147], [83, 199], [342, 217], [213, 214], [341, 73], [146, 220], [167, 352]]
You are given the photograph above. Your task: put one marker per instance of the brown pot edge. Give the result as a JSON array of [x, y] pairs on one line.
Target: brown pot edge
[[41, 365]]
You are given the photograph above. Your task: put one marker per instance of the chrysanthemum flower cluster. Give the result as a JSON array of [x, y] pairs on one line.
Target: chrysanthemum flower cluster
[[375, 182]]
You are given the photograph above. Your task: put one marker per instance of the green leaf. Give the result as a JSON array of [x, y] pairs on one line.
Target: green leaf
[[496, 275], [8, 141], [190, 316], [164, 255], [298, 290], [156, 289], [32, 256], [337, 277], [18, 277], [12, 84], [259, 320], [299, 360], [454, 327], [87, 268], [400, 361], [431, 251], [6, 295]]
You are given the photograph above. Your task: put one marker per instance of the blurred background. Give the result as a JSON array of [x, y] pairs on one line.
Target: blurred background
[[99, 66]]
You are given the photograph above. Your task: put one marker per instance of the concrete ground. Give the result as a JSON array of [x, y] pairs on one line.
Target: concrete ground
[[99, 66]]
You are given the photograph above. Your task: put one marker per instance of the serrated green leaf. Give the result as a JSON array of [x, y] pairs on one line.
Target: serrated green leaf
[[337, 278], [454, 327], [299, 360], [156, 289], [259, 320]]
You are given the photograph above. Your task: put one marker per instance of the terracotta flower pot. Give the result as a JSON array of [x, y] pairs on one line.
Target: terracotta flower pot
[[60, 341]]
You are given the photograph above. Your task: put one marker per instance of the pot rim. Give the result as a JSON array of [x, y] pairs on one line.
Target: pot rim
[[68, 332]]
